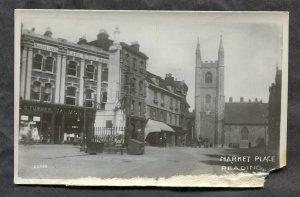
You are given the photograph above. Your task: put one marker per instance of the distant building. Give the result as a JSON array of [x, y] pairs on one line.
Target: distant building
[[274, 111], [60, 82], [245, 124], [125, 105], [167, 105], [209, 96]]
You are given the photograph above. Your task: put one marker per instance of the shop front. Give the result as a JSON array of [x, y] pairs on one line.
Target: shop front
[[54, 124]]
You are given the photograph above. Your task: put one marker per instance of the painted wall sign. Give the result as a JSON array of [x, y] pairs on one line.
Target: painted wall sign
[[86, 56], [45, 47]]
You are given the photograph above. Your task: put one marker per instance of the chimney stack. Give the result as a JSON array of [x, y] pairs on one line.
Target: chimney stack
[[135, 45], [242, 99], [256, 100], [230, 99]]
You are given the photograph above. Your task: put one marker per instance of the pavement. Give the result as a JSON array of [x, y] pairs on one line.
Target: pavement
[[66, 161]]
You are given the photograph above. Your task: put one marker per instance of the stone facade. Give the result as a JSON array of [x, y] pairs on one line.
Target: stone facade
[[209, 96]]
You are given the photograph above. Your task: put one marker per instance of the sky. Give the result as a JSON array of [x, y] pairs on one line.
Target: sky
[[252, 48]]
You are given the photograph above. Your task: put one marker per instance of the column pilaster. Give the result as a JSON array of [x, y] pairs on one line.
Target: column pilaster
[[99, 72], [58, 78], [28, 74], [63, 79], [81, 88], [23, 72]]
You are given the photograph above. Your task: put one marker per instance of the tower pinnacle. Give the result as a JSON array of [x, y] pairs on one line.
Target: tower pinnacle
[[221, 49], [198, 53]]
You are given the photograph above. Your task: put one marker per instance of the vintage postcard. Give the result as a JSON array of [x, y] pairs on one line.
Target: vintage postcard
[[149, 98]]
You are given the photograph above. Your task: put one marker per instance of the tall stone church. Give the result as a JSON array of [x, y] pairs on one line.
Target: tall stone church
[[209, 96]]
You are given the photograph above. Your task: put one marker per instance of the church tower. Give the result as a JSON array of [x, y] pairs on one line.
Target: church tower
[[209, 96]]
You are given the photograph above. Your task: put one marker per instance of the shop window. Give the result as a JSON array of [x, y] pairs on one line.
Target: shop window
[[49, 64], [89, 98], [72, 68], [47, 92], [90, 72], [71, 96], [208, 98], [37, 62], [208, 77], [36, 91]]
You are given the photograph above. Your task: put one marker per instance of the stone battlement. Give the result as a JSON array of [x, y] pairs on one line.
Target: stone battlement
[[209, 63]]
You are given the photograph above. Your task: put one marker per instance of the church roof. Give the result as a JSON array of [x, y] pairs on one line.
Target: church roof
[[246, 113]]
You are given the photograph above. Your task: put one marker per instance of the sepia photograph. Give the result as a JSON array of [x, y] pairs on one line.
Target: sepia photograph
[[149, 98]]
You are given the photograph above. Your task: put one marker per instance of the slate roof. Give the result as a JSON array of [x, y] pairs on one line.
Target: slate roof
[[240, 113], [161, 82]]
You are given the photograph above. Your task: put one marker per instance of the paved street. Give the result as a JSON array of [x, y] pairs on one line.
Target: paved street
[[66, 161]]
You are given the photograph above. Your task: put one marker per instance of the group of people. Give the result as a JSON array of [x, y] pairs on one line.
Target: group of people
[[203, 142]]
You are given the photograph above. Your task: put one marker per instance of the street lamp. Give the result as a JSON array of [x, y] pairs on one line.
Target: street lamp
[[84, 115]]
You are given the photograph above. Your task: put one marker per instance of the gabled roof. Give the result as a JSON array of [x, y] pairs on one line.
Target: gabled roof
[[240, 113]]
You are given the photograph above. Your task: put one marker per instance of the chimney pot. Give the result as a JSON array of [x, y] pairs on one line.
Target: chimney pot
[[242, 99]]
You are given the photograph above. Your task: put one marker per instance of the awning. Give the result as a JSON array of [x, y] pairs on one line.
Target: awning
[[155, 126]]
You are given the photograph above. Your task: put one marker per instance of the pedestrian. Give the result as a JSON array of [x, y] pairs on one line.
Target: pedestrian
[[200, 141]]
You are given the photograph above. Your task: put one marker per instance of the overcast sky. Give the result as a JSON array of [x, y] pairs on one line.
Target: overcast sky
[[252, 50]]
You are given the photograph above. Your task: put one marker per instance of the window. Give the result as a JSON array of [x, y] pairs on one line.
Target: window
[[48, 92], [155, 95], [38, 61], [140, 109], [133, 82], [104, 74], [176, 104], [134, 64], [141, 87], [141, 67], [89, 72], [171, 118], [71, 96], [208, 77], [132, 107], [49, 64], [72, 68], [162, 116], [154, 114], [175, 120], [208, 98], [162, 96], [36, 91], [104, 97], [171, 103], [244, 133], [89, 98]]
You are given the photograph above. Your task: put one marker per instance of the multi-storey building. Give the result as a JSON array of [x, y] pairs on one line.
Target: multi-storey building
[[125, 105], [163, 105], [60, 84]]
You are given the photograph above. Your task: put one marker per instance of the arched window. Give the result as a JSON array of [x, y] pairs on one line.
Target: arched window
[[36, 91], [48, 92], [90, 72], [71, 96], [89, 98], [37, 62], [208, 77], [72, 68], [244, 133], [141, 87], [208, 99], [49, 64]]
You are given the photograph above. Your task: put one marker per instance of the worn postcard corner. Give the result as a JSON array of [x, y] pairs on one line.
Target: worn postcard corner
[[148, 98]]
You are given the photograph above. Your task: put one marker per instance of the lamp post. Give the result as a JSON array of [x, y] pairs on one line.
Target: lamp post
[[84, 115]]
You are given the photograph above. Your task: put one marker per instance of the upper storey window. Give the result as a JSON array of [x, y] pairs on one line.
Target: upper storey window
[[38, 61], [104, 74], [36, 91], [71, 96], [72, 68], [49, 64], [48, 92], [208, 77], [90, 72]]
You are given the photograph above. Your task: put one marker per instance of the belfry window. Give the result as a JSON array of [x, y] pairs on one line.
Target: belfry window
[[49, 64], [47, 92], [89, 98], [89, 71], [208, 77], [72, 68], [36, 91], [71, 96], [38, 61], [208, 99]]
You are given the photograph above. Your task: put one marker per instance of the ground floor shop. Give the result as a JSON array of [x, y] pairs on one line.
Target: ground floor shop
[[55, 124]]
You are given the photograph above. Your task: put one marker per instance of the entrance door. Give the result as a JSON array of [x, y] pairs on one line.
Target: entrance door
[[47, 128]]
